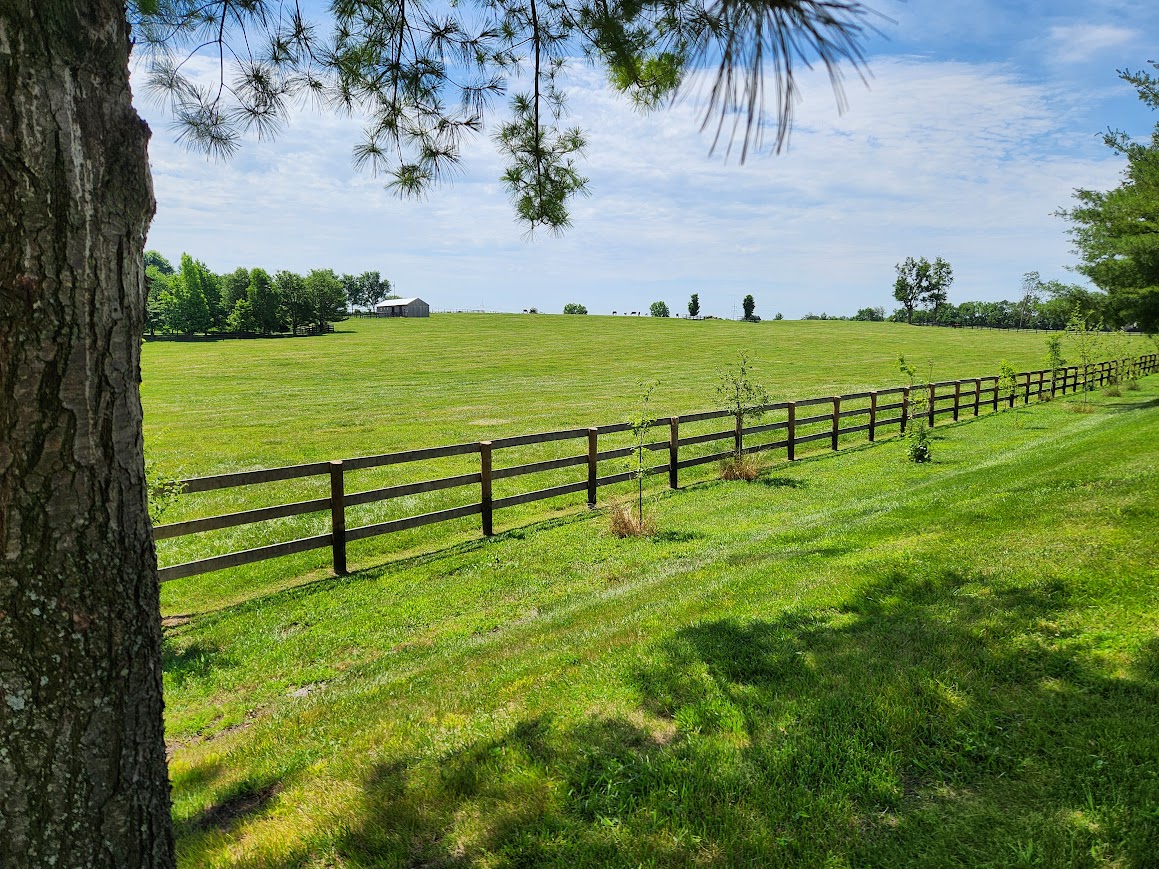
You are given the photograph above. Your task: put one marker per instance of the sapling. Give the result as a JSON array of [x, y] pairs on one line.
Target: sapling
[[917, 436], [744, 399], [1086, 341], [623, 524], [1007, 385], [1054, 361]]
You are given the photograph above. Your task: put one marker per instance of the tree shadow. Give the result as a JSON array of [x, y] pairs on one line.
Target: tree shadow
[[935, 718], [245, 801], [780, 482], [185, 663]]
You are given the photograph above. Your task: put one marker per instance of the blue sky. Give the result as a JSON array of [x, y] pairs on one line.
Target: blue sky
[[979, 121]]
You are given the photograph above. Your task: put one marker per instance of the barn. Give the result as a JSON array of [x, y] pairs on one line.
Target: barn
[[403, 308]]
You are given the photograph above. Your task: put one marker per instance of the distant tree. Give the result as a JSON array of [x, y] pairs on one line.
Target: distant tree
[[574, 308], [694, 305], [153, 259], [871, 315], [779, 316], [158, 284], [941, 276], [659, 309], [327, 298], [352, 289], [186, 308], [294, 300], [241, 318], [263, 303], [1031, 297], [749, 305], [372, 289], [922, 281], [235, 287]]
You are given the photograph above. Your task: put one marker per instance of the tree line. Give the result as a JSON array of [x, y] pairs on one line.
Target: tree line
[[192, 299], [1040, 304]]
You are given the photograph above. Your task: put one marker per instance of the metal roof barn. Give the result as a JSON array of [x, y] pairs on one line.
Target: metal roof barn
[[403, 308]]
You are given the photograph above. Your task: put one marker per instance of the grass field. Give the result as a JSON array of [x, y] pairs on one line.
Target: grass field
[[853, 661], [383, 385]]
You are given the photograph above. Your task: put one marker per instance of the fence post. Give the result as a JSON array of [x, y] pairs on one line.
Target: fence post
[[836, 420], [1041, 378], [872, 414], [1026, 395], [995, 379], [673, 452], [485, 485], [957, 397], [977, 394], [593, 465], [931, 408], [738, 437], [792, 431], [904, 408], [338, 518]]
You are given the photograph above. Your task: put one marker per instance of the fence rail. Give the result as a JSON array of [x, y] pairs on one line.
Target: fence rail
[[969, 396]]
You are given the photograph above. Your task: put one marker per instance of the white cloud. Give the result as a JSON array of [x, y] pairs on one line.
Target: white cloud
[[1075, 43], [964, 161]]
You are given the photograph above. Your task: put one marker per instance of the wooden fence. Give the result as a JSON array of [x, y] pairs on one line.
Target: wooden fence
[[886, 408]]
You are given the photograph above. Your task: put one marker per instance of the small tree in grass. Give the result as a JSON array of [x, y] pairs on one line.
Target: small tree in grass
[[917, 435], [1007, 385], [744, 399], [574, 308], [1054, 361], [1086, 341], [659, 309], [624, 524], [694, 305]]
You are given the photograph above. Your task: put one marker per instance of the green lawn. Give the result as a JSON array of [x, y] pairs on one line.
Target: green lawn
[[383, 385], [853, 661]]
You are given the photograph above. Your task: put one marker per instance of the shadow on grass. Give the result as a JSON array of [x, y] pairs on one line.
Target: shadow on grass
[[934, 720], [192, 662], [246, 801]]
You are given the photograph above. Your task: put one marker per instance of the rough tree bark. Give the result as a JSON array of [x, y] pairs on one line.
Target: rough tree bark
[[82, 758]]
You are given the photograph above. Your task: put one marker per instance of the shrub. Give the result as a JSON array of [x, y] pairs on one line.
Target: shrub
[[659, 309], [574, 308]]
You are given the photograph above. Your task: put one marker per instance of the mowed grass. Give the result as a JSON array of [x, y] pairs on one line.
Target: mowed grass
[[853, 661], [381, 385], [384, 385]]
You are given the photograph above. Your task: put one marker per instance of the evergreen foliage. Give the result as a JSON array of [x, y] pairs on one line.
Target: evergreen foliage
[[1116, 232]]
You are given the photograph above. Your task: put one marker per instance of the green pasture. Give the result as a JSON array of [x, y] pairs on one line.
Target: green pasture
[[853, 661], [385, 385]]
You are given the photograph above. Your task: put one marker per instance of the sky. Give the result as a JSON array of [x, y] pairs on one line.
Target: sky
[[977, 123]]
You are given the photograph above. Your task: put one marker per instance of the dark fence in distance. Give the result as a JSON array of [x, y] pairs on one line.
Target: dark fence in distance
[[949, 397]]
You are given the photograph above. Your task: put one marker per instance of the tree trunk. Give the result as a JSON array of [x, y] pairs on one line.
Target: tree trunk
[[82, 755]]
